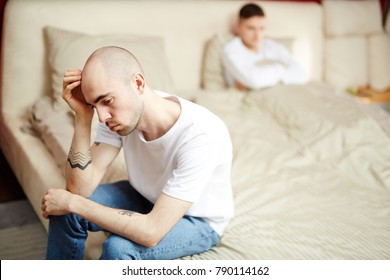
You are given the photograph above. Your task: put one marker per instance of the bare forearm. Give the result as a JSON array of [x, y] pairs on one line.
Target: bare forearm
[[128, 224], [145, 229], [79, 172]]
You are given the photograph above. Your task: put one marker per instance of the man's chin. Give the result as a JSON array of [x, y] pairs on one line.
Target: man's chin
[[124, 132], [121, 132]]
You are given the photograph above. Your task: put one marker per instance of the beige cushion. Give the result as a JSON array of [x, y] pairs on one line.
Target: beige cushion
[[379, 61], [352, 17], [54, 127], [346, 61], [213, 73], [68, 49]]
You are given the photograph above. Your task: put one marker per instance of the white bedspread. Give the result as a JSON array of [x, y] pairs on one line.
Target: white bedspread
[[311, 176]]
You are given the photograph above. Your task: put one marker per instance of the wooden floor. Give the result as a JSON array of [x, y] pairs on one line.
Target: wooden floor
[[10, 189]]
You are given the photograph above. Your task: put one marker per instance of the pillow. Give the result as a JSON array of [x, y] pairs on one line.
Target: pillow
[[213, 73], [68, 49], [346, 61], [352, 17], [54, 127], [379, 61]]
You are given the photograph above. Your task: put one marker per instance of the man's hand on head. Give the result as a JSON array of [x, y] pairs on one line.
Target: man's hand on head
[[73, 94]]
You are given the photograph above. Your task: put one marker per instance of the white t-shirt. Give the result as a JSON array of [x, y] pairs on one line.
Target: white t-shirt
[[191, 162], [271, 65]]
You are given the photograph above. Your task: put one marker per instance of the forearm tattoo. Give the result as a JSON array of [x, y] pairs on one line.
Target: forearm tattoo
[[79, 160], [126, 213]]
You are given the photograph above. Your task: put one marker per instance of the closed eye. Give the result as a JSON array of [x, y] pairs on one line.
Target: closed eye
[[107, 101]]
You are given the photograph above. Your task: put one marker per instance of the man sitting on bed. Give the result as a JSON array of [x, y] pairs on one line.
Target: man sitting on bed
[[252, 61], [178, 199]]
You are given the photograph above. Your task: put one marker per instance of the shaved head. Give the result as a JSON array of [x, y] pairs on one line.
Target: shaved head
[[118, 63], [112, 81]]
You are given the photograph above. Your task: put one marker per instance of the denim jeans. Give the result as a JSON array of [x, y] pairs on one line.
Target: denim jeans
[[68, 233]]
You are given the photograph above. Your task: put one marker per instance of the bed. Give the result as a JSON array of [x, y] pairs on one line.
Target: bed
[[310, 174]]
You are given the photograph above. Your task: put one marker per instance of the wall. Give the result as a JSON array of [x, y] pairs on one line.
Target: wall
[[384, 4]]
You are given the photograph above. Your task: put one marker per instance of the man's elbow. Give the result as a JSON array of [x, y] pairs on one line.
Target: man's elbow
[[151, 244], [73, 188], [151, 238], [76, 189], [83, 188]]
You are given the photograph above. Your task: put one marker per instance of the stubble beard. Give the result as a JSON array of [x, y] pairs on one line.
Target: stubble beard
[[133, 122]]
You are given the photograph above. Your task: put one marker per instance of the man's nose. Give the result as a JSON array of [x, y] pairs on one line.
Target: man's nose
[[103, 115], [259, 35]]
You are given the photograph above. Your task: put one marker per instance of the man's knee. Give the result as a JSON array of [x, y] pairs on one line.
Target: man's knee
[[68, 221], [119, 248]]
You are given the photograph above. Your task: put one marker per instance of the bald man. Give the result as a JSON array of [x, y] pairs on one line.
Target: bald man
[[178, 199]]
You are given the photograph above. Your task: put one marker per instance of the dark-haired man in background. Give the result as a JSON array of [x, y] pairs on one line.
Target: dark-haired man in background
[[252, 61]]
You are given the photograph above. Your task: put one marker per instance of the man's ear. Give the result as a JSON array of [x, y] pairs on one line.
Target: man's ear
[[139, 82], [236, 28]]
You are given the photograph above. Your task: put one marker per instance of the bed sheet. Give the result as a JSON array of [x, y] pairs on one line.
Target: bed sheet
[[311, 175]]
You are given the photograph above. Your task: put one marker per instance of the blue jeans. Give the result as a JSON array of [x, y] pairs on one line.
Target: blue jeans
[[68, 233]]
